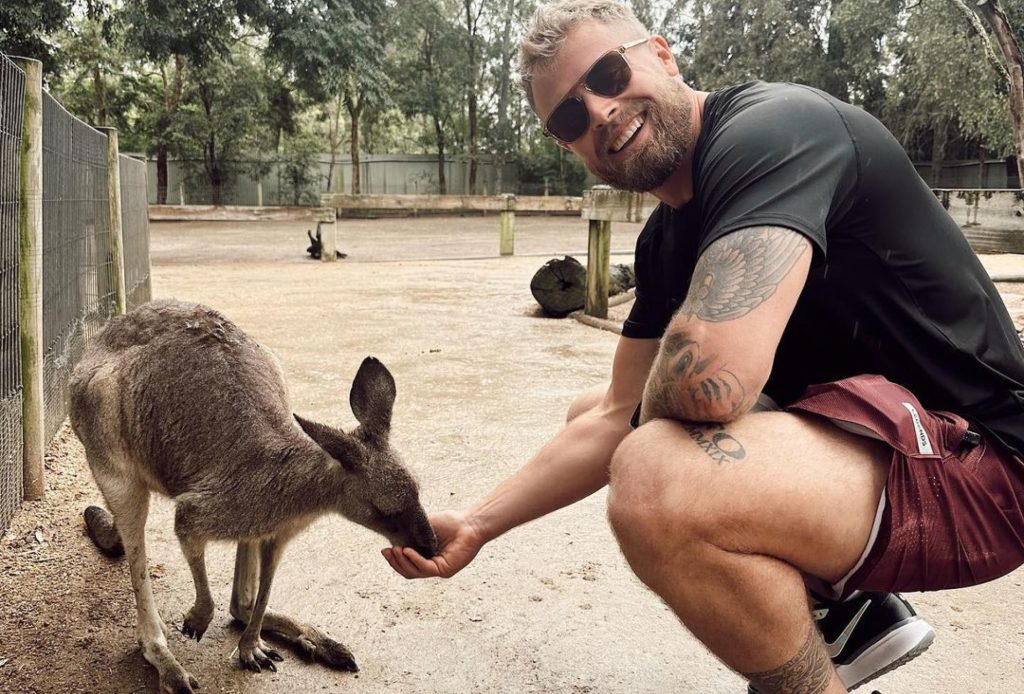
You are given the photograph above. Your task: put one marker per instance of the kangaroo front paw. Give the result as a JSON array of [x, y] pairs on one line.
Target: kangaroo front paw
[[178, 681], [319, 646], [196, 623], [258, 657]]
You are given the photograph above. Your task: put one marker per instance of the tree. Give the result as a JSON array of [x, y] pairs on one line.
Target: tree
[[219, 119], [1013, 70], [332, 49], [172, 37], [27, 30], [432, 66]]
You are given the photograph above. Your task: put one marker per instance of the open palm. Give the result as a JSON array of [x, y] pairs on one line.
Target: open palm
[[458, 542]]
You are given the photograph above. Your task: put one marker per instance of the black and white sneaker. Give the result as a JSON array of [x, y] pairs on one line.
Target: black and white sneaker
[[869, 635]]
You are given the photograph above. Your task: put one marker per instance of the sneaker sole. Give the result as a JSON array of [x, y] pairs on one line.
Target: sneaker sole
[[897, 648]]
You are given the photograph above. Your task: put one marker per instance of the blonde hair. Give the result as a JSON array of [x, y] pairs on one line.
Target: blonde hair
[[552, 22]]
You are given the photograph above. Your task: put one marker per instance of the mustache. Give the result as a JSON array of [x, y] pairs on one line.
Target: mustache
[[606, 134]]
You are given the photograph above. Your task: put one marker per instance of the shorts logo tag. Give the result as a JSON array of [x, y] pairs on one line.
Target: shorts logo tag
[[924, 446]]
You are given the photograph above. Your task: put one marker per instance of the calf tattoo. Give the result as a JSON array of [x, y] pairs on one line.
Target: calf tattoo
[[720, 446], [808, 672]]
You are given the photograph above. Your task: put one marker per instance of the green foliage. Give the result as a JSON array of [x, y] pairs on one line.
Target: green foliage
[[300, 177], [220, 119], [27, 28]]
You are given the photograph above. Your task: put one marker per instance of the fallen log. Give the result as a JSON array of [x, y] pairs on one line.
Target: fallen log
[[560, 285]]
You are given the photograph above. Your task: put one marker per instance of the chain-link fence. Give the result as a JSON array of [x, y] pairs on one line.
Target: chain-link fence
[[78, 270], [12, 96]]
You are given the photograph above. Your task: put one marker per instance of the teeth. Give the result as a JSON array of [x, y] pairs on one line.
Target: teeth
[[628, 133]]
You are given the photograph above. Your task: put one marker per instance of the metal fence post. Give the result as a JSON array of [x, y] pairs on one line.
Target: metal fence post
[[116, 232], [30, 279]]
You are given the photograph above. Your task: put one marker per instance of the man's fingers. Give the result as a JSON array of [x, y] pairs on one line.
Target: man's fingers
[[426, 567], [389, 554]]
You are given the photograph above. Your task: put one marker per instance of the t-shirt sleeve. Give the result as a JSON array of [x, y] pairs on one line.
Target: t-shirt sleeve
[[650, 313], [786, 160]]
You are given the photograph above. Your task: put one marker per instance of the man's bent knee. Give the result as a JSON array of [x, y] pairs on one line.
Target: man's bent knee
[[638, 501]]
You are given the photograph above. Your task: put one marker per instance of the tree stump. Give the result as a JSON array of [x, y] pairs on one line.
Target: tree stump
[[560, 285]]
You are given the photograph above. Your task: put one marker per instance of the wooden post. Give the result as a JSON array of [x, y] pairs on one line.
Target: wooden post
[[181, 192], [116, 231], [599, 247], [508, 225], [259, 193], [30, 280], [328, 231], [601, 205]]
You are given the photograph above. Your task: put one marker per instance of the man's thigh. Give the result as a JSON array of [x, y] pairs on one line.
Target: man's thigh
[[790, 486]]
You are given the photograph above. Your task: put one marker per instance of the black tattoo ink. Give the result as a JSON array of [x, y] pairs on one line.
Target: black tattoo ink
[[682, 384], [740, 271], [808, 672], [720, 447]]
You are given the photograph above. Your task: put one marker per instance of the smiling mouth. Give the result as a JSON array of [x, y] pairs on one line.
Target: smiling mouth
[[627, 135]]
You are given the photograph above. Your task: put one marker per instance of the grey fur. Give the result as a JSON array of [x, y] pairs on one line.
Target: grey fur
[[175, 398]]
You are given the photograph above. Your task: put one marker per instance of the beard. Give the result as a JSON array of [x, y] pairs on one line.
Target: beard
[[670, 120]]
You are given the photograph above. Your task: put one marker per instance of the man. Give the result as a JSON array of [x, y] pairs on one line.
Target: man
[[796, 255]]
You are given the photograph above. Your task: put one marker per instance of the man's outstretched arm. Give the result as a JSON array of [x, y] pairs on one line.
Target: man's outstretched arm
[[717, 352], [573, 465]]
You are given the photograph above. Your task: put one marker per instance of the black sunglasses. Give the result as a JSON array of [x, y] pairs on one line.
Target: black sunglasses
[[608, 76]]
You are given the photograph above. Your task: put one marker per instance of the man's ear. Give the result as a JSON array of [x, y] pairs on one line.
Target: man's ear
[[664, 54]]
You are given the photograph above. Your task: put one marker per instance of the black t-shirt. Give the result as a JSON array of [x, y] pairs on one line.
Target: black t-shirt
[[894, 288]]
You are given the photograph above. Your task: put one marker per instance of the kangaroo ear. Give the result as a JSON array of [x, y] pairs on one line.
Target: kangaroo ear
[[373, 397], [309, 233], [318, 237], [338, 444]]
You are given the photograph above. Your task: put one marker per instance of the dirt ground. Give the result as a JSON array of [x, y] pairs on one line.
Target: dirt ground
[[483, 382]]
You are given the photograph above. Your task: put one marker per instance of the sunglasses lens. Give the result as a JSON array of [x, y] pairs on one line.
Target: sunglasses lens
[[610, 75], [569, 120]]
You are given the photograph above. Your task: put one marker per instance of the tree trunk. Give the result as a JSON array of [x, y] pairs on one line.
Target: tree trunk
[[996, 18], [101, 96], [442, 182], [471, 25], [940, 136], [355, 109], [161, 173]]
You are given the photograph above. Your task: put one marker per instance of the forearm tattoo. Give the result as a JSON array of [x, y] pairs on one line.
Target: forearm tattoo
[[681, 382], [739, 272], [808, 672], [735, 275]]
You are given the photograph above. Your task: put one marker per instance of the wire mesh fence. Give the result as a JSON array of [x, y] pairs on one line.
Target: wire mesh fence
[[78, 280], [79, 292], [135, 222], [12, 90]]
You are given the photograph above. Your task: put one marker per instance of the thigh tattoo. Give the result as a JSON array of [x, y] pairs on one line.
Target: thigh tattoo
[[716, 443]]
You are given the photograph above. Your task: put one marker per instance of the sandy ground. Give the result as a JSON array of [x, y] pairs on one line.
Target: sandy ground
[[483, 382]]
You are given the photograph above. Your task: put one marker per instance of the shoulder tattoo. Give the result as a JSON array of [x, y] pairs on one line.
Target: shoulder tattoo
[[740, 271]]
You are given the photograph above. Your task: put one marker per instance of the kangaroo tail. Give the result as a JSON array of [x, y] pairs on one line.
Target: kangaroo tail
[[99, 525]]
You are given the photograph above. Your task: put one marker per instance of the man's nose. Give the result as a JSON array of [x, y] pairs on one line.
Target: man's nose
[[602, 109]]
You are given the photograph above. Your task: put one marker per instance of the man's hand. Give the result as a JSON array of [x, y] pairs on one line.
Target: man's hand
[[458, 542]]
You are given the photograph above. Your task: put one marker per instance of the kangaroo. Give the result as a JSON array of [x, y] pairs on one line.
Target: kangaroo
[[316, 244], [174, 398]]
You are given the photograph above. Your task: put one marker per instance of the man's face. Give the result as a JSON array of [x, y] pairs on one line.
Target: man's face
[[655, 100]]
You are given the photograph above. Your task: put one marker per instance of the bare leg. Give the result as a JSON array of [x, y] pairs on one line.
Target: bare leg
[[312, 642], [252, 652], [721, 523], [129, 503]]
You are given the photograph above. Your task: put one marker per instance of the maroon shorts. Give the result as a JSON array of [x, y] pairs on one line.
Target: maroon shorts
[[952, 513]]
